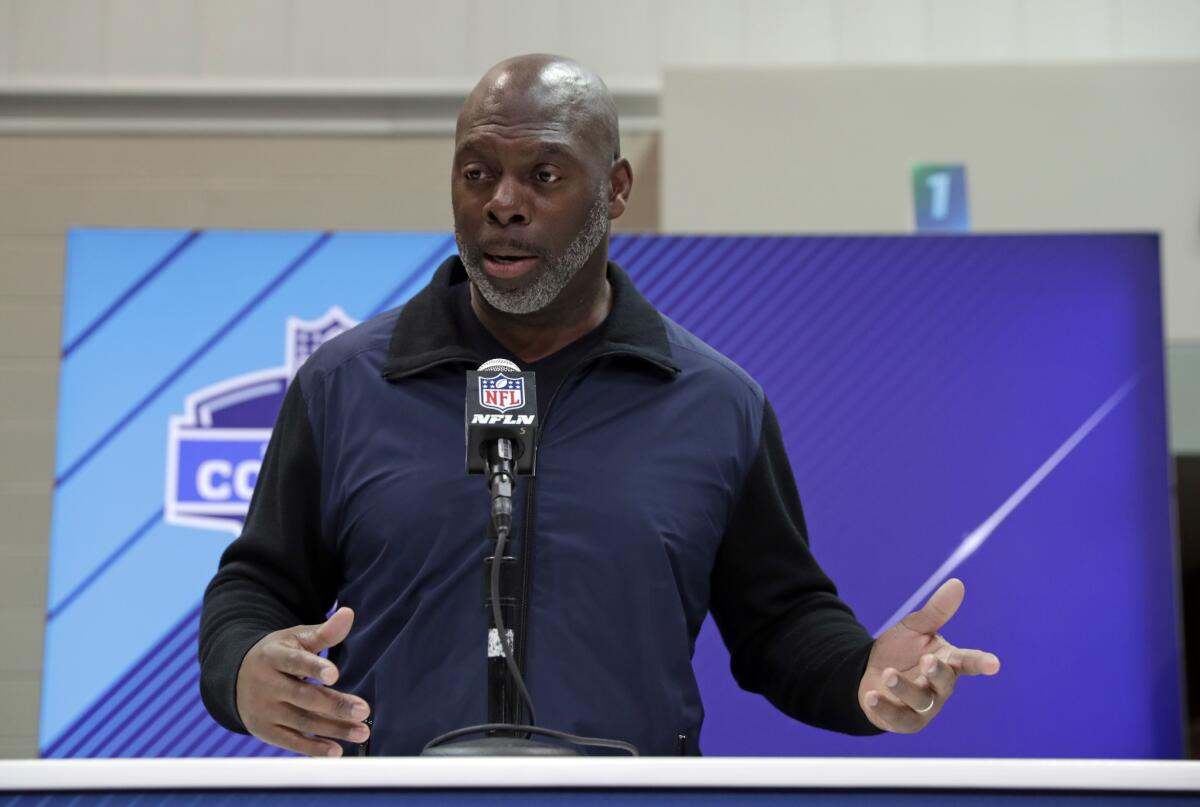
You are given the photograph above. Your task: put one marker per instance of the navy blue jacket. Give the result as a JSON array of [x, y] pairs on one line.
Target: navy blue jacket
[[662, 491]]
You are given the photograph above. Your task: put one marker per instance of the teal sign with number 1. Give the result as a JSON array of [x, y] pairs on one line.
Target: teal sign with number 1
[[940, 197]]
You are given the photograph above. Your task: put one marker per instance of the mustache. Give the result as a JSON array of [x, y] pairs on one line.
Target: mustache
[[510, 247]]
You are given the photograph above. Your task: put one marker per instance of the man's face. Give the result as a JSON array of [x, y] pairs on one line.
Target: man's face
[[530, 207]]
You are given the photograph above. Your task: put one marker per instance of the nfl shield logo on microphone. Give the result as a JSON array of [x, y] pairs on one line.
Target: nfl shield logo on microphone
[[502, 393]]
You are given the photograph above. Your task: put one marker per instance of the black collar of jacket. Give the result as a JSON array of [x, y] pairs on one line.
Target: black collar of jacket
[[426, 334]]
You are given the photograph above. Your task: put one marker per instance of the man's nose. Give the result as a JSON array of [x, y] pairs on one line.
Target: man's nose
[[507, 205]]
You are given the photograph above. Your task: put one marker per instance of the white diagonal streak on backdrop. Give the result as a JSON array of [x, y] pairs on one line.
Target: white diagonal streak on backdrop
[[980, 534]]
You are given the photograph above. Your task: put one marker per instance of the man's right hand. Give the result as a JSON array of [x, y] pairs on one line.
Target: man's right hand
[[278, 706]]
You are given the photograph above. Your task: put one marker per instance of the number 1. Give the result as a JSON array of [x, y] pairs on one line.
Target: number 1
[[939, 188]]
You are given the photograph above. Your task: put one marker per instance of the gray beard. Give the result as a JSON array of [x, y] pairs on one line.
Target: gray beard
[[558, 272]]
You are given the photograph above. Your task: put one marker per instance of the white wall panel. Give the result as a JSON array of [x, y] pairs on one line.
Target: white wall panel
[[700, 31], [879, 31], [500, 30], [245, 38], [444, 42], [788, 31], [8, 37], [454, 42], [1169, 29], [619, 39], [338, 38], [1072, 30], [147, 39], [974, 30], [59, 38], [1001, 26], [426, 40]]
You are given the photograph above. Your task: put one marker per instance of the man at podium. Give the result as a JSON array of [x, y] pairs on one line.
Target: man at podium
[[662, 492]]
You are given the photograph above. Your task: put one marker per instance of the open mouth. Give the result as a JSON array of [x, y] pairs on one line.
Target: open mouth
[[508, 264], [507, 259]]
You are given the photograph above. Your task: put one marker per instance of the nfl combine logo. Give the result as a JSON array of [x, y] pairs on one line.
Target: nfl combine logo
[[502, 393], [215, 449]]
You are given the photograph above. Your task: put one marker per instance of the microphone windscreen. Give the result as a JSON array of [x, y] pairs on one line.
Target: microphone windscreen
[[498, 364], [501, 403]]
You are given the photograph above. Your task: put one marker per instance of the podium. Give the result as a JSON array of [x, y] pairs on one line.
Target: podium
[[829, 782]]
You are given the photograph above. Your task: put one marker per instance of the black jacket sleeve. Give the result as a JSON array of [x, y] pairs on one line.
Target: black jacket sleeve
[[278, 573], [789, 636]]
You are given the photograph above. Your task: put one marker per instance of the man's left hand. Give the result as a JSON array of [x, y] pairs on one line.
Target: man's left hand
[[912, 670]]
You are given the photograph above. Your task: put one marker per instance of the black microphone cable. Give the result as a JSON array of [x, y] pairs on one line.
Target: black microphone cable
[[515, 672]]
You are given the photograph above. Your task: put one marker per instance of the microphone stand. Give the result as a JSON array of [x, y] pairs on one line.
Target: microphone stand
[[505, 734], [504, 702], [500, 445]]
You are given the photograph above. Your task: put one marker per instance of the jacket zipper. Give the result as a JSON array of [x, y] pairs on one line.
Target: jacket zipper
[[527, 532]]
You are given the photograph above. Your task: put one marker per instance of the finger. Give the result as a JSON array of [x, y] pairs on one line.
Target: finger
[[920, 698], [973, 662], [894, 716], [298, 662], [939, 675], [326, 701], [938, 609], [293, 740], [329, 633], [307, 722]]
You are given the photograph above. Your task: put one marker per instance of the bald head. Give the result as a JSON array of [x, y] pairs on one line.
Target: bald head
[[553, 90]]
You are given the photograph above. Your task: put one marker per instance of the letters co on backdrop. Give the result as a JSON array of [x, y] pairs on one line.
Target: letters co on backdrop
[[987, 404]]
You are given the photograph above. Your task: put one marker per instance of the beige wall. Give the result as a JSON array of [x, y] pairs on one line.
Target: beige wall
[[627, 41], [48, 184]]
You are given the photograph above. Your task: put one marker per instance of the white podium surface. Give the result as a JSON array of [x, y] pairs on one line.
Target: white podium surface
[[710, 774]]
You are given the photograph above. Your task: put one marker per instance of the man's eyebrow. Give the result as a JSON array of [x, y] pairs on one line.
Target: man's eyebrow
[[552, 148], [556, 149], [469, 144]]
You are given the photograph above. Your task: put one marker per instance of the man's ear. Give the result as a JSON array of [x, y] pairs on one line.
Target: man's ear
[[620, 179]]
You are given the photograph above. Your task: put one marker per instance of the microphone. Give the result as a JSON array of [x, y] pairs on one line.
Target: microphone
[[501, 425]]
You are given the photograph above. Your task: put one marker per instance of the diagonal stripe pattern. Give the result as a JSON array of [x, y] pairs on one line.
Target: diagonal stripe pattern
[[274, 283], [130, 293], [154, 710]]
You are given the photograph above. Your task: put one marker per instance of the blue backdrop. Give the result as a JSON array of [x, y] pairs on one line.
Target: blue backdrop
[[989, 407]]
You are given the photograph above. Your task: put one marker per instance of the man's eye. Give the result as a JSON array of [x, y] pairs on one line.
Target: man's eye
[[473, 174], [547, 176]]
